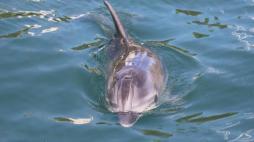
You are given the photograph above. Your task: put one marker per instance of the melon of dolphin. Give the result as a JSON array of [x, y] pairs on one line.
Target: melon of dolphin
[[135, 78]]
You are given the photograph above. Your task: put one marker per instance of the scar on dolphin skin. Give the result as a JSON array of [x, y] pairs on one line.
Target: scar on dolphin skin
[[135, 77]]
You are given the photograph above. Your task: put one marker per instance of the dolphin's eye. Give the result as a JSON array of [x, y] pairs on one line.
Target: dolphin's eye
[[117, 77], [128, 77], [155, 98]]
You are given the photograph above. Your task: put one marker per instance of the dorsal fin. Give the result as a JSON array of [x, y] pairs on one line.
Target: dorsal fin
[[118, 24]]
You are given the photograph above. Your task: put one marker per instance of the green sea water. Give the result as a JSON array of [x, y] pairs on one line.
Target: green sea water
[[51, 70]]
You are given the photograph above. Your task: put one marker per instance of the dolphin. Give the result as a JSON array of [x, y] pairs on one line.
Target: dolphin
[[135, 77]]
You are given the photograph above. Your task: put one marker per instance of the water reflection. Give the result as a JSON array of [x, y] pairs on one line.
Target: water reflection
[[78, 121], [51, 29], [94, 70], [167, 110], [26, 30], [48, 15]]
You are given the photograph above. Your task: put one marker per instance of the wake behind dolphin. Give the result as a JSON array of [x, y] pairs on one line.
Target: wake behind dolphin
[[135, 77]]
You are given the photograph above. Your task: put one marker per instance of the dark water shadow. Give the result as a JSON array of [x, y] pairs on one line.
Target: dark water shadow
[[17, 33], [155, 133], [188, 12], [199, 35], [166, 44], [98, 42], [106, 123], [198, 118], [62, 119], [207, 23], [9, 14]]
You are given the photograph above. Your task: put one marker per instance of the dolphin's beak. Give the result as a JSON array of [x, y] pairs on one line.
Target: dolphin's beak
[[128, 119]]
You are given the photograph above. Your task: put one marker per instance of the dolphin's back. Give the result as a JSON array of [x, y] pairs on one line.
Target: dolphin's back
[[135, 82]]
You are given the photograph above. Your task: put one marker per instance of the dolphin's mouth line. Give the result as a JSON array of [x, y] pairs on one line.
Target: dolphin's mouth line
[[128, 112], [128, 119]]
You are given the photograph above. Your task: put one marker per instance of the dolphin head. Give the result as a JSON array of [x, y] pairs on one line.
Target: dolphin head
[[131, 91]]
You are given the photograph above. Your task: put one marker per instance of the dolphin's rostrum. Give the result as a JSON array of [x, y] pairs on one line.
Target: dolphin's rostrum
[[135, 76]]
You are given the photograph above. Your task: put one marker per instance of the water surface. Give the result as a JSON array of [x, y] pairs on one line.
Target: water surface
[[52, 82]]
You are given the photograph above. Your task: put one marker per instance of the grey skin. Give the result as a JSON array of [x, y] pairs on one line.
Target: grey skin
[[135, 78]]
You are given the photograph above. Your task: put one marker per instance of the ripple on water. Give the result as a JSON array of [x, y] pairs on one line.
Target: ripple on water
[[246, 136], [244, 35]]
